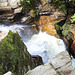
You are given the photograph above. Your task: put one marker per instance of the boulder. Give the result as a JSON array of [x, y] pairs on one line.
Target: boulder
[[3, 34], [46, 69], [61, 62], [3, 3], [8, 73], [13, 3], [58, 65]]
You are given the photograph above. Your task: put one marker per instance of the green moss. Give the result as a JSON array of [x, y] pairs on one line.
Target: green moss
[[61, 5], [13, 55], [66, 32]]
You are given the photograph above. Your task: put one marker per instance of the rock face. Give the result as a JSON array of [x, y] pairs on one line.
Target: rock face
[[8, 73], [58, 65], [48, 16], [3, 34], [14, 56], [61, 62], [46, 69], [11, 3], [72, 29]]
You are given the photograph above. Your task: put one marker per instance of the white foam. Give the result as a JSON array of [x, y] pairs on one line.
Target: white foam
[[45, 45]]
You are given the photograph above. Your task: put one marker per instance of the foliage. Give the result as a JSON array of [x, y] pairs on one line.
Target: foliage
[[27, 5], [11, 50], [73, 18], [60, 4], [66, 32]]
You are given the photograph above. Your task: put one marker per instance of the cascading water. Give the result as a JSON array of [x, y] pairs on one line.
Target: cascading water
[[45, 45], [41, 44]]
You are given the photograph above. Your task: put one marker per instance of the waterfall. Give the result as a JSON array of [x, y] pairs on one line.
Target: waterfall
[[41, 44], [45, 45]]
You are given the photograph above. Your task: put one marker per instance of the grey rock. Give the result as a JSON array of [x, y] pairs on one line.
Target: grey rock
[[61, 62], [13, 3], [8, 73], [3, 0], [3, 4], [46, 69]]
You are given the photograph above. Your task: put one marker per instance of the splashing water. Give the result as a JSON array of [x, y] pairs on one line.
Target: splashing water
[[45, 45], [41, 44]]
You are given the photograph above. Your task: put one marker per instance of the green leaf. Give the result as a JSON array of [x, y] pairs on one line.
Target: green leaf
[[73, 16]]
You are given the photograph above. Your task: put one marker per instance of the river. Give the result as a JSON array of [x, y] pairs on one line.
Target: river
[[41, 44]]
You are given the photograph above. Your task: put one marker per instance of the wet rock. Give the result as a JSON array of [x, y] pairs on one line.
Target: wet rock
[[37, 60], [66, 42], [46, 23], [73, 48]]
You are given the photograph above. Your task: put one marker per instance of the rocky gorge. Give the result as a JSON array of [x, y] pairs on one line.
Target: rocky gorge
[[49, 19]]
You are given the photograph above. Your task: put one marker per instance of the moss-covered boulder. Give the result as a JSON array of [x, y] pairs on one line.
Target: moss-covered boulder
[[14, 55]]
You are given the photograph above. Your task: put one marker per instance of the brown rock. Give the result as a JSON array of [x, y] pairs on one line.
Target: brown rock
[[72, 29], [73, 48]]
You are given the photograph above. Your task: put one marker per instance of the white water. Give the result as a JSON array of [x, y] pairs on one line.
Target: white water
[[13, 28], [45, 45], [40, 44]]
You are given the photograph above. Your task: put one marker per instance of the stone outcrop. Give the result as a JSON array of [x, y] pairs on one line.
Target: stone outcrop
[[72, 29], [61, 62], [11, 3], [14, 56], [8, 73], [3, 34], [58, 65], [46, 69]]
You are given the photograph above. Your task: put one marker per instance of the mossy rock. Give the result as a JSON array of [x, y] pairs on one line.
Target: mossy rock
[[66, 32], [14, 55]]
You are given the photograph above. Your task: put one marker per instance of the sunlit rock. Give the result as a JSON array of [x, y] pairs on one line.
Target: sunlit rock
[[46, 69], [3, 34], [13, 3], [58, 65], [18, 10], [49, 28], [62, 62], [8, 73]]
